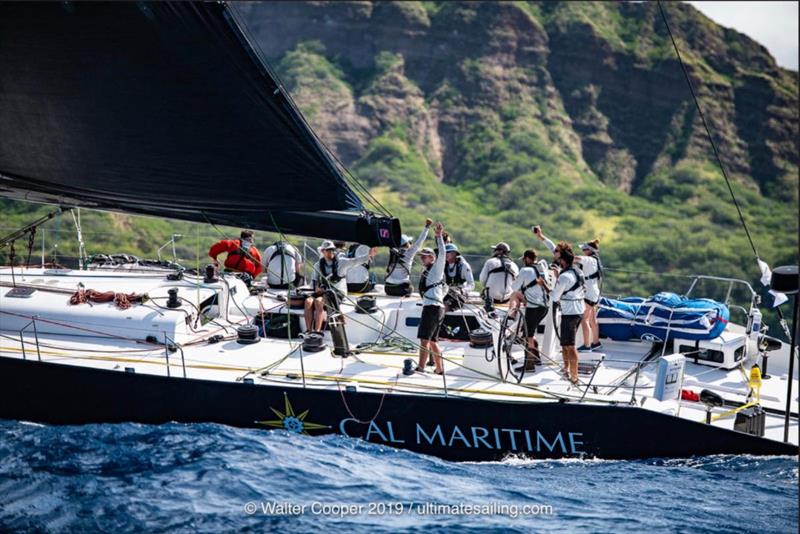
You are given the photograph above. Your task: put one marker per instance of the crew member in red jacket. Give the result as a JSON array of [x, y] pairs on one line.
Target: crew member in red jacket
[[243, 256]]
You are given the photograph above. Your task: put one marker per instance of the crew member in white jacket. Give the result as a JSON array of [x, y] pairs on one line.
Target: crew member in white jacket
[[398, 271], [592, 270], [498, 273], [283, 262], [329, 281], [569, 294], [432, 289]]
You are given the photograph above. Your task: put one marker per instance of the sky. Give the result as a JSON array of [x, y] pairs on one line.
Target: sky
[[773, 24]]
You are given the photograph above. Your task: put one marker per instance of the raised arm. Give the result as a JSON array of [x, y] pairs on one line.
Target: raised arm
[[537, 231], [423, 235], [437, 271], [226, 245], [347, 263]]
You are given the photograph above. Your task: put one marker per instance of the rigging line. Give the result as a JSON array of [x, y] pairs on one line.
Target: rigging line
[[708, 130], [257, 48]]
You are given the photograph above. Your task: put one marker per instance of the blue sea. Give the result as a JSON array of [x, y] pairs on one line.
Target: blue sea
[[212, 478]]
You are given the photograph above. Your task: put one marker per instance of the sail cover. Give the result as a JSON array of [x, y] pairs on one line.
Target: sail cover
[[161, 109]]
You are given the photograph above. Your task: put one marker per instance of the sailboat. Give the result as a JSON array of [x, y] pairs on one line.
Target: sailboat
[[167, 110]]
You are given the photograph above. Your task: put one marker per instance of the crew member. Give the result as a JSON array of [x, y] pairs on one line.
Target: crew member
[[329, 283], [537, 231], [283, 262], [569, 294], [554, 266], [359, 278], [592, 270], [458, 275], [432, 290], [497, 275], [243, 256], [533, 285], [398, 271]]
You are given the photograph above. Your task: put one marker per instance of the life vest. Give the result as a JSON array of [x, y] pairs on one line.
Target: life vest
[[396, 258], [325, 279], [424, 287], [280, 250], [579, 283], [241, 252], [457, 279], [541, 264], [599, 272], [505, 267]]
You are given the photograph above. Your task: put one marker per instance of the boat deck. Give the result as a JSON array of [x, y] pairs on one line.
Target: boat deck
[[380, 344]]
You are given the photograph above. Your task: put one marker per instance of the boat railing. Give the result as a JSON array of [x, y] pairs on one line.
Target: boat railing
[[168, 343], [731, 283], [635, 370], [35, 337], [591, 378]]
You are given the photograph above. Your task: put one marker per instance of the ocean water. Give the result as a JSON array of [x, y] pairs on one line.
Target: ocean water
[[212, 478]]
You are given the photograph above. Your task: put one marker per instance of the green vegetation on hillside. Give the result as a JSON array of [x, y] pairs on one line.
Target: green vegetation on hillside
[[514, 127]]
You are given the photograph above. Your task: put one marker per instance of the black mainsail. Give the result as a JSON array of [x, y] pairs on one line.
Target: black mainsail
[[163, 109]]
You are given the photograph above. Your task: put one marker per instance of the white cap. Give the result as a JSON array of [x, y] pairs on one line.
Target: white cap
[[326, 245], [405, 239]]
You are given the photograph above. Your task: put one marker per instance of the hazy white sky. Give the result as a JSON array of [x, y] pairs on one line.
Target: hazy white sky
[[773, 24]]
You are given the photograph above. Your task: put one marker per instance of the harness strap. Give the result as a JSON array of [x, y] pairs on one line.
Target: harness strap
[[505, 267], [423, 283], [279, 251], [326, 280], [579, 282], [457, 279], [395, 258], [242, 254], [599, 272]]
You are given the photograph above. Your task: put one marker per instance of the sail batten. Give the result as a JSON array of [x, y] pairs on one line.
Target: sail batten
[[154, 108]]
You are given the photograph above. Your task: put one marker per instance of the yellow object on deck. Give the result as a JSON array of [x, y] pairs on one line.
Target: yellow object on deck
[[755, 381]]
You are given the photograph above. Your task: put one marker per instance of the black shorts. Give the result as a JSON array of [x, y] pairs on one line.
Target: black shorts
[[430, 322], [590, 302], [361, 287], [534, 316], [398, 290], [568, 329]]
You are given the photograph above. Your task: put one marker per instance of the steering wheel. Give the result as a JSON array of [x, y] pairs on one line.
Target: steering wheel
[[512, 332]]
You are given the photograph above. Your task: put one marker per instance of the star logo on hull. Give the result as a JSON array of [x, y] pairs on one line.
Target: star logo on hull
[[289, 420]]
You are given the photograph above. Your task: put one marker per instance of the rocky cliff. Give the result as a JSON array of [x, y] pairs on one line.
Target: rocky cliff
[[597, 84]]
